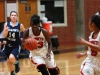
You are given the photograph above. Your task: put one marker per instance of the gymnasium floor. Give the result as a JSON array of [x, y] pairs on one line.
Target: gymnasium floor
[[66, 61]]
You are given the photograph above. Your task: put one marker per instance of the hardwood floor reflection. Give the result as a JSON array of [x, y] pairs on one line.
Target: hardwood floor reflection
[[67, 62]]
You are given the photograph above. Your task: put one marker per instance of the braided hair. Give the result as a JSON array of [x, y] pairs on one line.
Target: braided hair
[[35, 19]]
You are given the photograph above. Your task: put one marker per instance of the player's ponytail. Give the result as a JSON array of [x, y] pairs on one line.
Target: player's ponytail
[[96, 20]]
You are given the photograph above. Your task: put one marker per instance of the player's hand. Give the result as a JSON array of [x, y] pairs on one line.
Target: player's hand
[[27, 41], [78, 55], [81, 40], [48, 55], [7, 28]]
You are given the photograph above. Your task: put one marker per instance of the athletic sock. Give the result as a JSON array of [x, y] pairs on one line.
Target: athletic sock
[[53, 71], [17, 68], [43, 70]]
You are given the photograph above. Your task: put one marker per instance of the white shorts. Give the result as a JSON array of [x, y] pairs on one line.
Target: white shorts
[[90, 66], [42, 59]]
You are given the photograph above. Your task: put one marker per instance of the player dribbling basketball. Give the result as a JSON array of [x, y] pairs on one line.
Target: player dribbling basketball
[[42, 57]]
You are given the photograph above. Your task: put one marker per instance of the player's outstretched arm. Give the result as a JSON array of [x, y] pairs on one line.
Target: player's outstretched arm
[[5, 31], [22, 28], [92, 46], [79, 55], [47, 37]]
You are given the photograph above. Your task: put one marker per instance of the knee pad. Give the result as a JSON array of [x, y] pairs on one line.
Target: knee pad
[[42, 68], [54, 71]]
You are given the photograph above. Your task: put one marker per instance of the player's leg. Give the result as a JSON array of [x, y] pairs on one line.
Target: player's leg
[[11, 67], [7, 52], [54, 71], [52, 68], [39, 62], [15, 60], [86, 69], [43, 69], [4, 42], [96, 66]]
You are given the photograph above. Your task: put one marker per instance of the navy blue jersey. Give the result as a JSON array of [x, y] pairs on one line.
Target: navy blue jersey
[[13, 37]]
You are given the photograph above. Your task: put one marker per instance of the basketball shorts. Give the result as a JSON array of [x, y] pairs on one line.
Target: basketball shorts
[[90, 66], [2, 39], [39, 60], [15, 50]]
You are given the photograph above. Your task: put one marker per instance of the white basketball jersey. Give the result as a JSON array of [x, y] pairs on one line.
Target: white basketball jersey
[[42, 43], [95, 41]]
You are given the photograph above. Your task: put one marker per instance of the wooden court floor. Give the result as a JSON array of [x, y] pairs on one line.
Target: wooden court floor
[[67, 62]]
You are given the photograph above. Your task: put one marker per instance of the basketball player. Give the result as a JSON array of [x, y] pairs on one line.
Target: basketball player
[[2, 39], [12, 48], [90, 66], [42, 57]]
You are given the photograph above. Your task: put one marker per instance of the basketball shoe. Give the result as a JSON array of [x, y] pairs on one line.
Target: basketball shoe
[[12, 73], [17, 67]]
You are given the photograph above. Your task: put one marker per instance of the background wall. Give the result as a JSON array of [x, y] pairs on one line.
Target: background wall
[[90, 7], [80, 22], [66, 35], [24, 16], [2, 11]]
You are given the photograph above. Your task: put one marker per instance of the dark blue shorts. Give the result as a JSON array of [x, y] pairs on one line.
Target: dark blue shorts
[[2, 39], [15, 50]]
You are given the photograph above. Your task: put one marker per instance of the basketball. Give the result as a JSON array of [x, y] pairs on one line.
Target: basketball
[[30, 44]]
